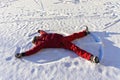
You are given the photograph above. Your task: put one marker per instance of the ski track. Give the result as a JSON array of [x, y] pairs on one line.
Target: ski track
[[19, 23]]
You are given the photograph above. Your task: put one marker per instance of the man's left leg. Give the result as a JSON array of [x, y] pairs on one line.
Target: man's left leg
[[80, 52]]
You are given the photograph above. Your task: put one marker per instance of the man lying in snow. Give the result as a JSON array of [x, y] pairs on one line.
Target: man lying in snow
[[54, 40]]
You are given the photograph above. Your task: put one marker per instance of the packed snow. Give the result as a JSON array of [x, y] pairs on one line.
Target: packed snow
[[20, 20]]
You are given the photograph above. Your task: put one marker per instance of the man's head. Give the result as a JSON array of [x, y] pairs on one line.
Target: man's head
[[35, 39]]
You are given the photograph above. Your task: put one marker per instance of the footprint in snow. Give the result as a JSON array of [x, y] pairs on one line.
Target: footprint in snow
[[100, 70], [76, 63], [67, 64], [8, 58], [17, 50], [33, 70], [70, 64]]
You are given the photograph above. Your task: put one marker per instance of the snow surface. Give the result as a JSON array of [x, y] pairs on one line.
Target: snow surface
[[20, 19]]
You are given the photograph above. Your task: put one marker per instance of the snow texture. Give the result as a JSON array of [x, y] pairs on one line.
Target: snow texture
[[20, 20]]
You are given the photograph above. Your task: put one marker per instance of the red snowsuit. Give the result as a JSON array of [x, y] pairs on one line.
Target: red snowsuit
[[54, 40]]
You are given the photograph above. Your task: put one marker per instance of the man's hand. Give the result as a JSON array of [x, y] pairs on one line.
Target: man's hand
[[41, 32], [18, 55]]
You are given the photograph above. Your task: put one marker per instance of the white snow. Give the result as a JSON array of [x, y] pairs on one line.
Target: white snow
[[20, 20]]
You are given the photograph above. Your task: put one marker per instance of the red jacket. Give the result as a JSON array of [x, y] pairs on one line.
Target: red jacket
[[46, 41]]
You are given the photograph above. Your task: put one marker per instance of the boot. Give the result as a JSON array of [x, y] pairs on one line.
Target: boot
[[94, 59]]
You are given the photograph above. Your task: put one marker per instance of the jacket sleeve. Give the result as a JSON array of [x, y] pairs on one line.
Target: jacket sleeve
[[34, 50]]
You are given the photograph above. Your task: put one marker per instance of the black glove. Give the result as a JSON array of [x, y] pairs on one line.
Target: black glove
[[19, 55]]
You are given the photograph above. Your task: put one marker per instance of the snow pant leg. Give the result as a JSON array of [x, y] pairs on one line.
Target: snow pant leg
[[80, 52], [75, 36]]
